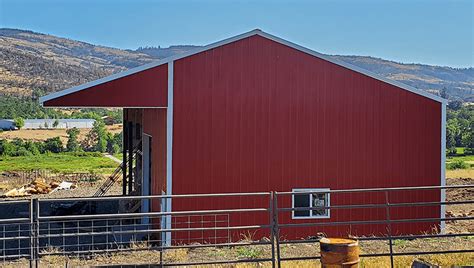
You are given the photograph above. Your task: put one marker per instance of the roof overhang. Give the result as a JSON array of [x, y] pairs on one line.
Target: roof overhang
[[75, 96]]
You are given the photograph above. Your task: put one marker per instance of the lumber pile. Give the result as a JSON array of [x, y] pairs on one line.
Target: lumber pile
[[37, 186], [16, 192]]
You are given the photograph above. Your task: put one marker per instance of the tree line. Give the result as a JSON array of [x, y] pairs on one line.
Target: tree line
[[98, 139], [460, 127], [29, 108]]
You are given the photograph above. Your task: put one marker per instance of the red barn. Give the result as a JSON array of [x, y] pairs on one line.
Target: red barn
[[258, 113]]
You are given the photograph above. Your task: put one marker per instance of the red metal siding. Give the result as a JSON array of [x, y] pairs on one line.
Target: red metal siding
[[154, 124], [255, 115], [148, 88]]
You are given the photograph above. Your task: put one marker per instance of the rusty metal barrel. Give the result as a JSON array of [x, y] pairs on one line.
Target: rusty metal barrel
[[339, 252]]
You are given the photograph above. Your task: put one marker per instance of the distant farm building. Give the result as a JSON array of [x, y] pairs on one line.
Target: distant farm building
[[8, 124], [61, 123], [256, 113]]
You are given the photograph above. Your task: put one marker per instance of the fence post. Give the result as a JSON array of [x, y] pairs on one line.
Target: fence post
[[387, 210], [272, 228], [34, 232], [276, 229], [32, 251]]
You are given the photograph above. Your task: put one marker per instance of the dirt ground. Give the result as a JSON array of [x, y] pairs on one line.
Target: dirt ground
[[43, 134], [461, 210]]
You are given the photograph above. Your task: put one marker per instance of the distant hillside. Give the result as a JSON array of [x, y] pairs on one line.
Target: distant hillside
[[33, 64], [458, 82], [160, 53]]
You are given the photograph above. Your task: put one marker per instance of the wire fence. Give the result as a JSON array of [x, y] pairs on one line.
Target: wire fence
[[27, 176], [269, 221]]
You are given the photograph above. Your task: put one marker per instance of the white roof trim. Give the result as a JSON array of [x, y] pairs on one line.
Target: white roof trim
[[230, 40]]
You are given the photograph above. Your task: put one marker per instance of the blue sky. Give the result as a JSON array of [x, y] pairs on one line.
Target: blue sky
[[419, 31]]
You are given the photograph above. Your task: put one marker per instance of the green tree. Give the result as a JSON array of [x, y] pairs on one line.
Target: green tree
[[444, 93], [451, 132], [19, 122], [455, 105], [55, 123], [114, 143], [96, 139], [72, 144], [468, 139]]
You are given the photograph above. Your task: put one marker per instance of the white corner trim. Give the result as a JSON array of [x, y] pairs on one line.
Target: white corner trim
[[443, 166], [303, 190], [169, 148], [230, 40]]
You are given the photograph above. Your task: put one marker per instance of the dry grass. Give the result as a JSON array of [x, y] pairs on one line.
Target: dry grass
[[43, 134], [447, 260], [460, 173]]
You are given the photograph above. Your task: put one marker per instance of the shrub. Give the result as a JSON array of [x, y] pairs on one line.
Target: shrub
[[452, 151], [469, 151], [249, 252], [54, 145], [457, 164], [7, 148], [84, 154], [32, 148], [22, 151]]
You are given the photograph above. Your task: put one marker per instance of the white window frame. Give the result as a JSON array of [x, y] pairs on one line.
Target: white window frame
[[311, 190]]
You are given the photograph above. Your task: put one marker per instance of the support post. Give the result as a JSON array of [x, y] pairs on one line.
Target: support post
[[130, 156], [389, 227], [32, 235], [138, 160], [124, 154], [276, 230], [35, 231], [272, 229]]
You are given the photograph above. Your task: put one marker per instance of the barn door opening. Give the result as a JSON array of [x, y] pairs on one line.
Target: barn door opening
[[146, 171]]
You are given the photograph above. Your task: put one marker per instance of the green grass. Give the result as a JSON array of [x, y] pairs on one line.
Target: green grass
[[59, 163], [460, 157], [460, 150]]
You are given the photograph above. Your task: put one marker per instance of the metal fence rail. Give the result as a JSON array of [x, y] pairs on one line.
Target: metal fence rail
[[102, 225]]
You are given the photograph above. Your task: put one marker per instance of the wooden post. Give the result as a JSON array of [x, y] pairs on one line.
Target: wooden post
[[130, 156]]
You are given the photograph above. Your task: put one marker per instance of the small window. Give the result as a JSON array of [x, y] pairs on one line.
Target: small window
[[314, 201]]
